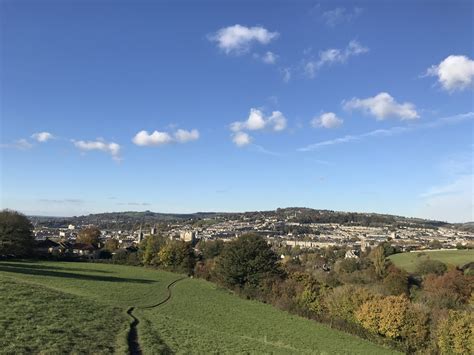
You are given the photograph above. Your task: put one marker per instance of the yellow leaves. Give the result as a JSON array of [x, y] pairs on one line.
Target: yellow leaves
[[396, 318], [455, 333]]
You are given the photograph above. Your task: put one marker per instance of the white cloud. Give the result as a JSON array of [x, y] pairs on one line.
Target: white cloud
[[21, 144], [269, 58], [183, 136], [143, 138], [340, 15], [441, 122], [332, 56], [455, 72], [257, 121], [286, 74], [238, 39], [157, 138], [277, 121], [42, 136], [241, 139], [383, 106], [110, 148], [327, 120]]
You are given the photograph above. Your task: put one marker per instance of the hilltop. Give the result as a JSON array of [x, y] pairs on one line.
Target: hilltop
[[130, 219]]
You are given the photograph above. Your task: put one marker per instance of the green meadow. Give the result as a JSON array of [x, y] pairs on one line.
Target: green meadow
[[409, 261], [56, 307]]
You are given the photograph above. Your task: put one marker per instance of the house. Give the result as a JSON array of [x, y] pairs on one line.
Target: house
[[43, 247], [82, 249]]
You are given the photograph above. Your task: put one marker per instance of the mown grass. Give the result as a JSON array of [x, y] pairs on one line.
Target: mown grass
[[55, 307], [201, 318], [117, 285], [36, 319], [409, 261]]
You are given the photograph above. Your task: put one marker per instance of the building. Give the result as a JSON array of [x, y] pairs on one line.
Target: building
[[187, 236]]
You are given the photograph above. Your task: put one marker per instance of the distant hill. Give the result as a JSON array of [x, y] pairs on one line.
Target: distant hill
[[133, 219]]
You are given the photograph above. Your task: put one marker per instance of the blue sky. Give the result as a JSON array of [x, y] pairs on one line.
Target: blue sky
[[233, 106]]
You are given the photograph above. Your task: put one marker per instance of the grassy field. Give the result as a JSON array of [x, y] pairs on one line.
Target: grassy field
[[54, 307], [203, 318], [408, 261]]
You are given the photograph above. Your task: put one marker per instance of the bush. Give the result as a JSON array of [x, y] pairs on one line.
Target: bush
[[396, 282], [396, 318], [451, 290], [455, 333], [429, 266], [16, 237], [342, 302]]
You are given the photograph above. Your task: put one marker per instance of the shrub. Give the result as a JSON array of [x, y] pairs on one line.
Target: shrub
[[451, 290], [429, 266], [396, 318], [455, 333], [342, 302], [396, 281]]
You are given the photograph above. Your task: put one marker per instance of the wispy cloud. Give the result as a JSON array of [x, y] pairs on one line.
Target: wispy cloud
[[62, 201], [21, 144], [134, 204], [453, 198], [340, 15], [333, 56], [260, 149], [444, 121]]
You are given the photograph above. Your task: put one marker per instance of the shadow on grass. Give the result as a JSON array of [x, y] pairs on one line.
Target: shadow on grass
[[27, 270], [33, 265]]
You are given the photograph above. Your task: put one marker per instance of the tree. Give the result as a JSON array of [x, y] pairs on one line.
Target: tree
[[152, 245], [396, 281], [451, 290], [429, 266], [455, 333], [177, 255], [378, 258], [348, 265], [343, 302], [111, 244], [16, 236], [312, 292], [396, 318], [211, 248], [89, 235], [246, 261]]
